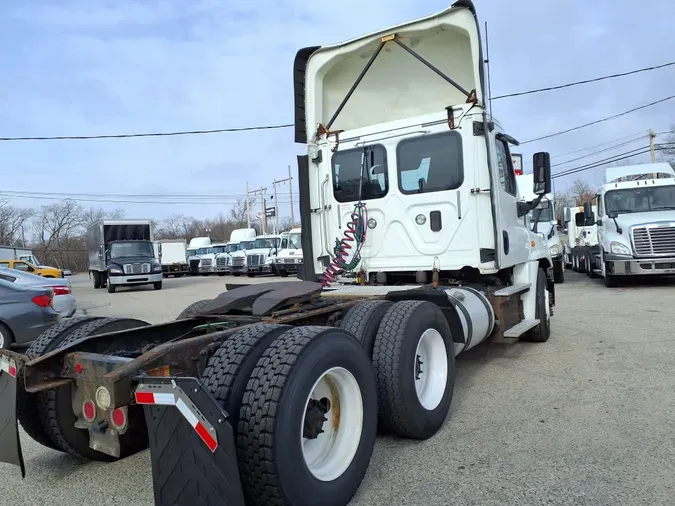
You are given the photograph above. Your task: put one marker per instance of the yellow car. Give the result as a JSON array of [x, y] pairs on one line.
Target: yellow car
[[22, 265]]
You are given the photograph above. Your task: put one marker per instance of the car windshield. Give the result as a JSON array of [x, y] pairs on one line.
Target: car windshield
[[131, 249], [541, 215], [266, 242], [294, 241], [246, 245], [640, 200]]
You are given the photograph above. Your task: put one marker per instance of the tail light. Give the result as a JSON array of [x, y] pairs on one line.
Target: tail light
[[43, 300], [89, 410], [119, 418], [60, 290]]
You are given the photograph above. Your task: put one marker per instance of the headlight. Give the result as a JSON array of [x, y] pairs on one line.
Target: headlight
[[555, 249], [269, 261], [619, 249], [115, 270]]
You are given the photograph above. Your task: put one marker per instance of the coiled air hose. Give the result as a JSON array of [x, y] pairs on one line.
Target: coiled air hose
[[355, 233]]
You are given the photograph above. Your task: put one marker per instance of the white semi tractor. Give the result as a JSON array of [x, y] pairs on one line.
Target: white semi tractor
[[289, 258], [542, 221], [635, 223], [244, 238], [582, 237], [272, 393], [196, 248]]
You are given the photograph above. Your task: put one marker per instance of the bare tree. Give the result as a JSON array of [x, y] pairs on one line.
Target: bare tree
[[581, 191], [12, 222]]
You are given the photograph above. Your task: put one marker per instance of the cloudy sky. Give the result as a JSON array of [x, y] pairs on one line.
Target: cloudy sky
[[89, 67]]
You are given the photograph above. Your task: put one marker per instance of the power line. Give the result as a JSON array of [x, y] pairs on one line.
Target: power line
[[614, 116], [148, 134], [585, 81], [610, 148], [600, 163]]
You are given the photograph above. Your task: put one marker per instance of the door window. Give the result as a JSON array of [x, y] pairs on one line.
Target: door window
[[504, 164], [430, 164], [22, 266]]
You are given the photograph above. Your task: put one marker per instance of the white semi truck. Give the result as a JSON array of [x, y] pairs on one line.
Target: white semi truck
[[261, 258], [272, 393], [289, 259], [543, 222], [635, 219], [196, 248], [244, 238], [582, 237]]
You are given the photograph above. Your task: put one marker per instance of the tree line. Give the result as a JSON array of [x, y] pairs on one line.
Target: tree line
[[57, 233]]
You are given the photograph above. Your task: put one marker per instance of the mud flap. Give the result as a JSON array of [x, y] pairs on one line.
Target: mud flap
[[10, 444], [192, 447]]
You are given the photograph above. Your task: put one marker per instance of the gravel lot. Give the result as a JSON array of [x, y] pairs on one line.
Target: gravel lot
[[587, 418]]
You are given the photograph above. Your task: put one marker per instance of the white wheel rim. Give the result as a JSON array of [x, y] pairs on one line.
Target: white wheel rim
[[329, 454], [2, 339], [430, 369]]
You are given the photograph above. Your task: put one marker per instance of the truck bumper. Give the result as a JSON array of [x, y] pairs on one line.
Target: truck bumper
[[628, 266], [225, 269], [260, 269], [136, 279]]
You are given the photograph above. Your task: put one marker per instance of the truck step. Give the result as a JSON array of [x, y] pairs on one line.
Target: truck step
[[519, 329], [512, 290]]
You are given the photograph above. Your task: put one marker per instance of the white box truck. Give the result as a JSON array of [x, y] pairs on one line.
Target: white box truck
[[172, 254]]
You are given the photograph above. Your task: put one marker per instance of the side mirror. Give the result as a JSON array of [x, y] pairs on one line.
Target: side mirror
[[101, 252], [541, 163], [567, 215], [588, 210], [612, 214]]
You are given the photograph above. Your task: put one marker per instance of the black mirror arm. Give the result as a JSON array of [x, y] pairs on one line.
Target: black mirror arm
[[526, 207], [618, 228]]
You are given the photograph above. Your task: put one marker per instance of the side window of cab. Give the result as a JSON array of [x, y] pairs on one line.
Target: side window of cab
[[601, 209], [507, 176], [22, 266]]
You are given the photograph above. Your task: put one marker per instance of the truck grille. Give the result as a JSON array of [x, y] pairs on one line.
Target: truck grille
[[194, 263], [222, 261], [136, 268], [239, 261], [206, 262], [654, 240], [289, 260], [255, 259]]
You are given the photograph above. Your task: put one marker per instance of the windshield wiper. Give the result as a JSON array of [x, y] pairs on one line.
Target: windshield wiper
[[662, 207]]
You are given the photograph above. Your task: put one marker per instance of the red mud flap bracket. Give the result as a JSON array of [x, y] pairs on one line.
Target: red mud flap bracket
[[192, 447], [10, 445]]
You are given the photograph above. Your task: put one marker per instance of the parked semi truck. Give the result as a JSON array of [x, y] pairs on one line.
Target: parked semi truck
[[121, 253], [245, 238], [582, 236], [272, 393], [635, 220], [196, 245], [289, 258], [173, 256], [542, 221], [260, 258]]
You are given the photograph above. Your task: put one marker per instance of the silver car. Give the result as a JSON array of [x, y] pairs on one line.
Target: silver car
[[64, 301]]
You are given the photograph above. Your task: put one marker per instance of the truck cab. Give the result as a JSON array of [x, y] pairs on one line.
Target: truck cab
[[132, 262], [635, 222], [289, 258], [582, 237], [196, 245], [223, 259], [260, 258], [244, 238], [418, 186], [542, 221]]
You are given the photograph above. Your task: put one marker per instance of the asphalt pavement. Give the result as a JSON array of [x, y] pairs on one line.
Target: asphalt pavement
[[587, 418]]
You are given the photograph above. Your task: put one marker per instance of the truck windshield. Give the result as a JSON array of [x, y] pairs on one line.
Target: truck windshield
[[347, 174], [231, 248], [541, 215], [219, 249], [266, 243], [191, 252], [640, 200], [246, 245], [131, 249], [204, 251], [294, 241]]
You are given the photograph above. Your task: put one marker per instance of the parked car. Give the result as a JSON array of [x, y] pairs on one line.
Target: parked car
[[25, 313], [64, 300], [24, 266]]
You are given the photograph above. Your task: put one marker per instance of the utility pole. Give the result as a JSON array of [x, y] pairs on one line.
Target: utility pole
[[263, 218], [652, 136], [276, 209], [248, 208], [290, 194]]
